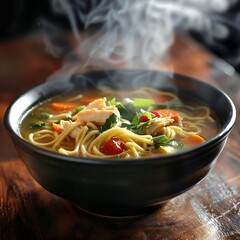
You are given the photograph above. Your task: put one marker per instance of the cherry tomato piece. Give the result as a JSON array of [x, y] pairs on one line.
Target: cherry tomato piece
[[113, 146], [156, 114], [144, 118]]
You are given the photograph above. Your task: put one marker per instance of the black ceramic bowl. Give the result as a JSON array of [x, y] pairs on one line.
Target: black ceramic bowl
[[121, 187]]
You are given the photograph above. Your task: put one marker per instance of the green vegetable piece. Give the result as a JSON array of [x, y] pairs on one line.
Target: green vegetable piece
[[141, 128], [113, 102], [137, 126], [109, 123], [41, 115], [79, 108], [36, 125], [143, 103], [135, 120], [124, 112], [161, 140]]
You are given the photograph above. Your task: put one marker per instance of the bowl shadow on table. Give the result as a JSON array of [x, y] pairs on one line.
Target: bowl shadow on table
[[112, 223]]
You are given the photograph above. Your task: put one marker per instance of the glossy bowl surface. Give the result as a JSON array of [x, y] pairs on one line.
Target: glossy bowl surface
[[121, 187]]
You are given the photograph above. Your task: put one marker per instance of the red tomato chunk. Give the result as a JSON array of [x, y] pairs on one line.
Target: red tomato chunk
[[113, 146], [144, 118]]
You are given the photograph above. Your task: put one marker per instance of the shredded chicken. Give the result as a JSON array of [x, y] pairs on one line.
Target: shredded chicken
[[65, 124], [158, 124], [97, 112]]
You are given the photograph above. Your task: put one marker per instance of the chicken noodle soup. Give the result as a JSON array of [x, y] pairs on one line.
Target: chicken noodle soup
[[119, 124]]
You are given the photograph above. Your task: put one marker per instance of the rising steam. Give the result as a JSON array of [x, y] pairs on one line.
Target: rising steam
[[135, 33]]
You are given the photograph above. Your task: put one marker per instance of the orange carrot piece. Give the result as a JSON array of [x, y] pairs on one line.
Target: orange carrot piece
[[58, 106], [192, 140], [168, 113], [56, 128]]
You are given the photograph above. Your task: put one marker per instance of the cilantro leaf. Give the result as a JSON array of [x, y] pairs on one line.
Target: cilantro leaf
[[109, 123]]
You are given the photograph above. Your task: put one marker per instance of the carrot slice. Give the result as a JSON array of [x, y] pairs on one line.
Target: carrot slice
[[168, 113], [56, 128], [58, 106], [192, 140]]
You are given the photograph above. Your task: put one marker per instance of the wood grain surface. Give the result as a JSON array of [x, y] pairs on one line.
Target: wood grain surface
[[209, 211]]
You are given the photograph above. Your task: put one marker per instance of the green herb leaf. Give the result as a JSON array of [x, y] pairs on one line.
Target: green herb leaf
[[137, 126], [113, 101], [124, 112], [161, 140], [135, 120], [141, 128], [37, 125], [109, 123], [79, 108], [41, 115], [125, 123]]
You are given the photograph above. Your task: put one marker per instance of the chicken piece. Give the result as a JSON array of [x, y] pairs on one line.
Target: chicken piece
[[96, 112], [158, 124], [65, 124]]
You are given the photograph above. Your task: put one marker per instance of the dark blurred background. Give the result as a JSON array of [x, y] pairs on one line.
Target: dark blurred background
[[21, 17]]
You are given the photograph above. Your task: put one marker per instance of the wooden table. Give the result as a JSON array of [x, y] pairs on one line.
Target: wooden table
[[209, 211]]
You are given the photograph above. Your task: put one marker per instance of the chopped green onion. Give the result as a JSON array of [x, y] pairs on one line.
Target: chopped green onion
[[143, 103]]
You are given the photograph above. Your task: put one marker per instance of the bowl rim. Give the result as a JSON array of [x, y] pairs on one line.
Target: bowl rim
[[163, 158]]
